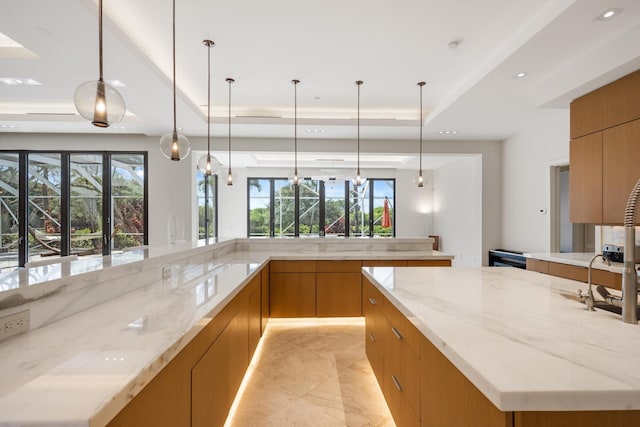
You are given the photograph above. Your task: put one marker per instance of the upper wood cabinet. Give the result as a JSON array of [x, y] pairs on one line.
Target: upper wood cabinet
[[605, 144], [620, 169], [585, 179], [611, 105]]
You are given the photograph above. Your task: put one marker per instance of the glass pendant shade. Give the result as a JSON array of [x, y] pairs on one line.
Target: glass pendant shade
[[175, 146], [100, 103], [229, 177], [96, 100], [209, 165], [295, 177], [420, 178], [358, 180]]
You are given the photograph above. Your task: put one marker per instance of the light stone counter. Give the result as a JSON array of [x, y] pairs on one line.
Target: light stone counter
[[101, 330], [82, 370], [579, 259], [521, 337]]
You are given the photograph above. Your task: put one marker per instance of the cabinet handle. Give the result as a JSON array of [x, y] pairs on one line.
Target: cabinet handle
[[372, 301], [396, 332], [372, 337], [396, 382]]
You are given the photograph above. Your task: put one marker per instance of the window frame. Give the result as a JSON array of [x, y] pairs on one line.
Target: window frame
[[65, 197], [322, 206]]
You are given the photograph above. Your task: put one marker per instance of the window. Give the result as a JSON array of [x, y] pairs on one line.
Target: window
[[60, 203], [319, 208], [207, 188]]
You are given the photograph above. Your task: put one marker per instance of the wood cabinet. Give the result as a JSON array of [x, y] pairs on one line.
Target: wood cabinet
[[401, 384], [605, 129], [199, 385], [620, 169], [384, 263], [216, 377], [573, 272], [585, 179], [448, 398], [392, 346], [429, 263], [608, 106], [538, 265], [375, 324], [292, 294], [265, 291], [324, 288], [339, 289]]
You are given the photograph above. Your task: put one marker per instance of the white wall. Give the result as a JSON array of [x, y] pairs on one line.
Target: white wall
[[527, 158], [458, 209], [169, 182]]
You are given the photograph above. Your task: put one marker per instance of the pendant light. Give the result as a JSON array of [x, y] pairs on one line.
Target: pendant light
[[359, 179], [419, 180], [173, 145], [294, 176], [229, 174], [96, 100], [208, 164]]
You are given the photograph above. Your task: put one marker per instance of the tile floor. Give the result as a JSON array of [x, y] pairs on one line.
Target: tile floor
[[311, 372]]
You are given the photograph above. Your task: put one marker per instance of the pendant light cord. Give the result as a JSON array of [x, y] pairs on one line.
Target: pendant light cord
[[295, 125], [421, 84], [208, 43], [359, 82], [100, 36], [230, 80], [174, 66]]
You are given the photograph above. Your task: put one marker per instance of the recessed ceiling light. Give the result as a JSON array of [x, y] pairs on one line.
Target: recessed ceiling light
[[13, 81], [520, 75], [608, 14]]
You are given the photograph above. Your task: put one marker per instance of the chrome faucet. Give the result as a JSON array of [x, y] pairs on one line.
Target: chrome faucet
[[629, 300], [588, 297]]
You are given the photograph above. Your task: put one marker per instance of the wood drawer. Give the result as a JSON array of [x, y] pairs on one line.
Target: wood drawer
[[375, 324], [384, 263], [401, 328], [538, 265], [429, 263], [401, 384], [606, 278], [292, 266], [328, 266], [568, 271]]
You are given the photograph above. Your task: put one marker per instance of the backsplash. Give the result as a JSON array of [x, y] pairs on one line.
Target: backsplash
[[613, 235]]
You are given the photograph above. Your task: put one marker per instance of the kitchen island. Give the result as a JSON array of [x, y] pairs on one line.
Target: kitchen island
[[516, 344], [104, 332]]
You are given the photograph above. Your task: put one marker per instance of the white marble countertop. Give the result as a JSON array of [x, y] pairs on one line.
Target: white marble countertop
[[579, 259], [521, 337], [82, 370]]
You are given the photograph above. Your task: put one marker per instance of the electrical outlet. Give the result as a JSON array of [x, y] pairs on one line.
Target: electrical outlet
[[166, 271], [14, 324]]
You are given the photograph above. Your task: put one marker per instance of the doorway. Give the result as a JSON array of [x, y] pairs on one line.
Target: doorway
[[566, 236]]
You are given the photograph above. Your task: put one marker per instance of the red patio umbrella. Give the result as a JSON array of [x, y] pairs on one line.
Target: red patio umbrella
[[386, 218]]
